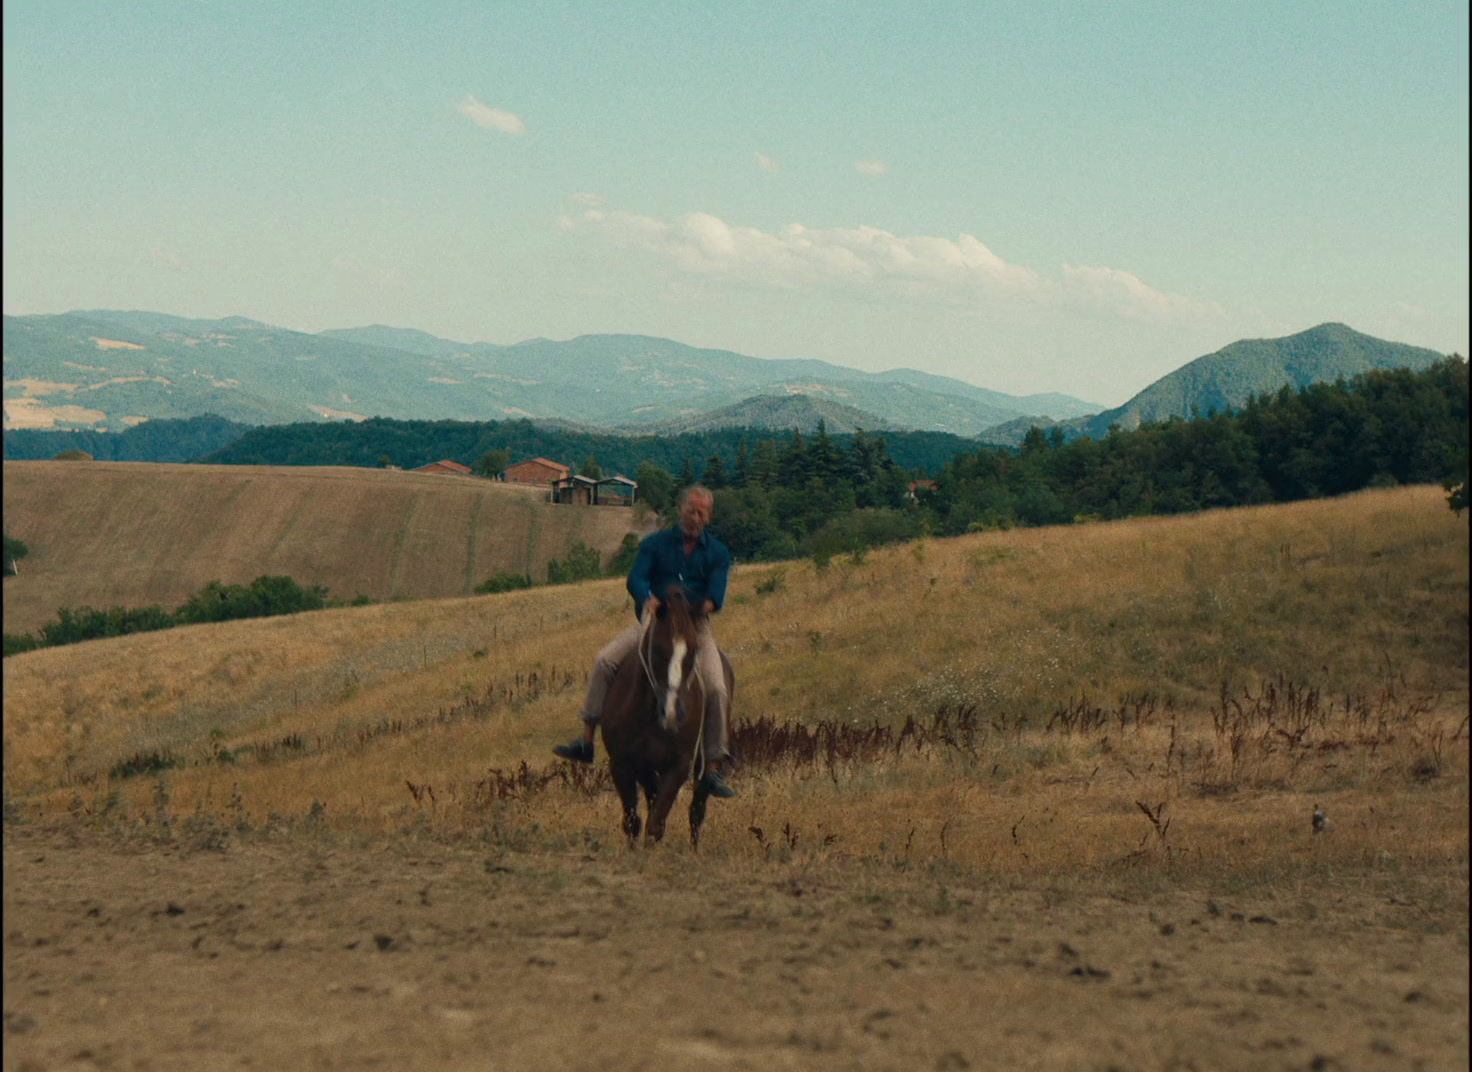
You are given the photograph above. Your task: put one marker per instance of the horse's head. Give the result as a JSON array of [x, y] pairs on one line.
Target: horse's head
[[675, 635]]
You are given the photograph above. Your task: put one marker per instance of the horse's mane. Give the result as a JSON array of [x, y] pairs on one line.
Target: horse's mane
[[677, 606], [673, 628]]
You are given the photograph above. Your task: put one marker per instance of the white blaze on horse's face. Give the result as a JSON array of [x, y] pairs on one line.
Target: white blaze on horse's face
[[672, 693]]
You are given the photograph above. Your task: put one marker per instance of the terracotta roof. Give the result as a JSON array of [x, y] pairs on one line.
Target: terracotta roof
[[445, 465]]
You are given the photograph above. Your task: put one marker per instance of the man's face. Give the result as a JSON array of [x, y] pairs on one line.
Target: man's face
[[695, 515]]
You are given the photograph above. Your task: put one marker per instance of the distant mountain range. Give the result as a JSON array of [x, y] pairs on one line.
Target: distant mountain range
[[103, 368], [803, 412]]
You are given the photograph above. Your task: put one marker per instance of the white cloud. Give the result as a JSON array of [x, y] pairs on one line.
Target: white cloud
[[588, 199], [1121, 292], [703, 244], [491, 118], [874, 263], [1405, 308], [871, 167], [766, 163]]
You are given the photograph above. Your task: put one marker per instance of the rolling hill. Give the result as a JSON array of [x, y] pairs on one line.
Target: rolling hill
[[777, 413], [104, 368], [106, 534], [1227, 379]]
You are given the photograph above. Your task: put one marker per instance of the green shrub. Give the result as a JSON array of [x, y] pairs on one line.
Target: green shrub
[[582, 563], [88, 623], [15, 550], [861, 529], [145, 763], [18, 643], [214, 603], [263, 597], [623, 559], [503, 582]]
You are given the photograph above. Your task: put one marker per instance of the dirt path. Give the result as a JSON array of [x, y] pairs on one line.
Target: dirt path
[[307, 952]]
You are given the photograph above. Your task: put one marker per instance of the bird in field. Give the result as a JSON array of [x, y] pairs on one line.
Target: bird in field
[[1321, 820]]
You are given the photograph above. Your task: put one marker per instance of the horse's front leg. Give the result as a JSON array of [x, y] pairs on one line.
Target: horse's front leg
[[650, 783], [659, 811], [628, 793], [697, 813], [632, 824]]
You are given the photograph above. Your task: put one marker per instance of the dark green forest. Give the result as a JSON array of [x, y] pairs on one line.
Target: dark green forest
[[1384, 428], [181, 439], [410, 444]]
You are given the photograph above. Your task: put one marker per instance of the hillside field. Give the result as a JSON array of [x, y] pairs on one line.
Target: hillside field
[[132, 534], [1033, 799]]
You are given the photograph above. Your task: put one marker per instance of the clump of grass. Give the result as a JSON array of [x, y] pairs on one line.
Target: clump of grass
[[152, 762], [773, 582]]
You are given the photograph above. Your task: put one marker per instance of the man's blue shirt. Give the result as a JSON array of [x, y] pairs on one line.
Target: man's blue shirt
[[662, 562]]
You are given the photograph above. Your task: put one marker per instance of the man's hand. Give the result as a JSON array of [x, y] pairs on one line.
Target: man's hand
[[708, 607], [651, 606]]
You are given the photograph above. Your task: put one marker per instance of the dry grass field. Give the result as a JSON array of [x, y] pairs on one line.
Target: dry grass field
[[107, 534], [1028, 799]]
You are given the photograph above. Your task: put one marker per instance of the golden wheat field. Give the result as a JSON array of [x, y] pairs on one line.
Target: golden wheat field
[[1030, 799]]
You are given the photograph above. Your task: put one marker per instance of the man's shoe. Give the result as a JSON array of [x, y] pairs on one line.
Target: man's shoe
[[714, 783], [580, 751]]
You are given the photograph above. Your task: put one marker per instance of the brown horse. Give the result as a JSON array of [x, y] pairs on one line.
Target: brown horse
[[653, 721]]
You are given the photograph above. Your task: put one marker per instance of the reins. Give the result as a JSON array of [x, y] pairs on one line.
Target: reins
[[697, 761], [646, 638]]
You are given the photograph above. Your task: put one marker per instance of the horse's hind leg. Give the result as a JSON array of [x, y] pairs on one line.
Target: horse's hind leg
[[659, 811]]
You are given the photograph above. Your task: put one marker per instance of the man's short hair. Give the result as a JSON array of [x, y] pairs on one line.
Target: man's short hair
[[694, 490]]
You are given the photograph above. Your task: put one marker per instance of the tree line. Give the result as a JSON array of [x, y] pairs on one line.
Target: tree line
[[409, 444], [174, 439], [215, 602], [813, 496], [1383, 428], [786, 497]]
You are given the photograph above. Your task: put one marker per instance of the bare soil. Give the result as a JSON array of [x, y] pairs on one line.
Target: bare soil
[[307, 950]]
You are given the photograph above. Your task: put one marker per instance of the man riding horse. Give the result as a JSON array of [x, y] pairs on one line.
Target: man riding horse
[[688, 556]]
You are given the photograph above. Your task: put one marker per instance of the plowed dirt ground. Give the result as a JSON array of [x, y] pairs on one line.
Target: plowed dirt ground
[[294, 950]]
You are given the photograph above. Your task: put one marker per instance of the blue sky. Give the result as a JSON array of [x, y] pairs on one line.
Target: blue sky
[[1030, 197]]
